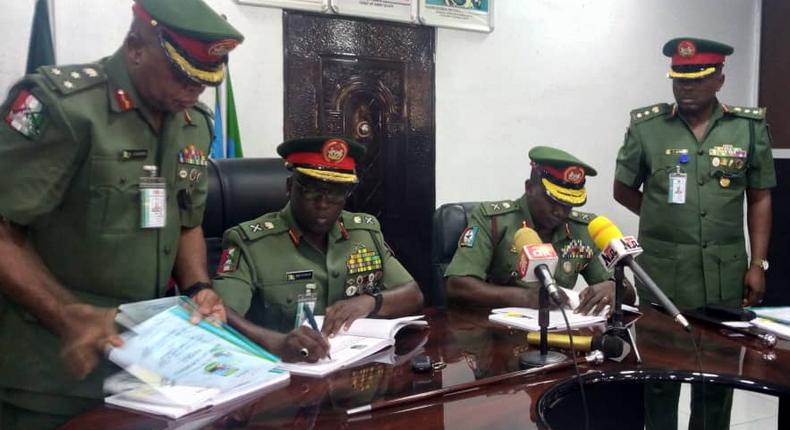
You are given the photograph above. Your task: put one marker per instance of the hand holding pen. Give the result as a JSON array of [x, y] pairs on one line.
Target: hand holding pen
[[311, 320]]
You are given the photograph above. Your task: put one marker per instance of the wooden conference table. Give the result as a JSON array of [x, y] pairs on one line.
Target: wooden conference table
[[473, 349]]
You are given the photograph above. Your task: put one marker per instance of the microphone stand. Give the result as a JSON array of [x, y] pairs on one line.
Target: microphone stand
[[543, 356], [616, 327]]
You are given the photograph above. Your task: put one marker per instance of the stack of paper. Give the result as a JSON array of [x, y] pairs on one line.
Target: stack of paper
[[773, 319], [527, 319], [183, 367]]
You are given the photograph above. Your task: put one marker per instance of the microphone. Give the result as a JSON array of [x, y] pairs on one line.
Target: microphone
[[618, 249], [611, 346], [537, 261]]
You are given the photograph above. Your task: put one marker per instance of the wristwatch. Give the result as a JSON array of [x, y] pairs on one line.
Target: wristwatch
[[761, 263], [195, 288], [376, 294]]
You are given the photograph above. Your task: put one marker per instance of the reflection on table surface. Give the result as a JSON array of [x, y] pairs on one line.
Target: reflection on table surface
[[474, 349]]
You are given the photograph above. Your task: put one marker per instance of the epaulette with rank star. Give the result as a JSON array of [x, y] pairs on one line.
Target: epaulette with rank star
[[581, 217], [74, 78], [653, 111], [262, 226], [360, 221], [757, 113], [498, 208]]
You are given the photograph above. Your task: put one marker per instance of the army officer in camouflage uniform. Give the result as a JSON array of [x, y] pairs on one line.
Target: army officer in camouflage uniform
[[483, 269], [695, 160], [101, 202], [312, 251]]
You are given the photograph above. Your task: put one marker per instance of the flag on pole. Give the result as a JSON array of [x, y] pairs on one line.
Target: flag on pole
[[40, 51], [218, 144], [234, 137]]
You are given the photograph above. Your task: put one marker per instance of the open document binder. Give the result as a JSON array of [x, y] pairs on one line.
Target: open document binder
[[173, 367]]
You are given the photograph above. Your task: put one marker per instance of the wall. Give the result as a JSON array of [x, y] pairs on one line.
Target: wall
[[563, 73]]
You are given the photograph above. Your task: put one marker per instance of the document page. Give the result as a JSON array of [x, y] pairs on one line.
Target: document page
[[168, 350]]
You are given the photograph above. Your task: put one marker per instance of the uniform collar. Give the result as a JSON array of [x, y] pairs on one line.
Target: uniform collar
[[563, 231], [121, 93], [719, 109], [296, 233]]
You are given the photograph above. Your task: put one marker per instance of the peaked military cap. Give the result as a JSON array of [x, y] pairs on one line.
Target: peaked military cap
[[330, 159], [196, 39], [694, 58], [562, 175]]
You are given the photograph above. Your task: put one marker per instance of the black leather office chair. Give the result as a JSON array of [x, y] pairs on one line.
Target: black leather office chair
[[240, 189], [449, 221]]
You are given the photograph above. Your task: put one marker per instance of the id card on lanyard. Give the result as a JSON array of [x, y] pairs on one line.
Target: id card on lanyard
[[153, 199], [677, 188]]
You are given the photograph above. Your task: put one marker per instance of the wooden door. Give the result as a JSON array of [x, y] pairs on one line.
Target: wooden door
[[775, 95], [373, 81]]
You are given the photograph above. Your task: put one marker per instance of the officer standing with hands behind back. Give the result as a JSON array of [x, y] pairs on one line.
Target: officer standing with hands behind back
[[694, 161], [101, 203]]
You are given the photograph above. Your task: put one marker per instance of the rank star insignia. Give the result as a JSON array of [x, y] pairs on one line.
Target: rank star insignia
[[268, 225], [358, 219], [256, 227]]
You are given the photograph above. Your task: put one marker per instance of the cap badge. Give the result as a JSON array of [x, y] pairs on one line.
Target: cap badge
[[334, 150], [573, 175], [221, 48], [687, 48]]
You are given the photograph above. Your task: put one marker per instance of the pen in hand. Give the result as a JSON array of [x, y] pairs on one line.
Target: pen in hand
[[311, 319]]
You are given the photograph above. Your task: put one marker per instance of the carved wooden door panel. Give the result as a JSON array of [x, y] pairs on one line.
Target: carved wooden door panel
[[373, 81]]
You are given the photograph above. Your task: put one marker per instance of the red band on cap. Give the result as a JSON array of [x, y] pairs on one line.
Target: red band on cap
[[571, 174], [316, 159], [698, 58], [207, 52]]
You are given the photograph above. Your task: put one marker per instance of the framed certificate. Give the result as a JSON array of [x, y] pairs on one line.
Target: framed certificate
[[389, 10], [476, 15], [310, 5]]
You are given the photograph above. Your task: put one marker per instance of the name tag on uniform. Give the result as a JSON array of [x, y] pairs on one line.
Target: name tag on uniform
[[677, 188], [299, 275], [134, 154]]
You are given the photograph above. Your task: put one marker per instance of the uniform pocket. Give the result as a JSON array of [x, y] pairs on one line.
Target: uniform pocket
[[115, 195], [279, 304], [660, 264], [190, 194], [659, 173], [732, 269]]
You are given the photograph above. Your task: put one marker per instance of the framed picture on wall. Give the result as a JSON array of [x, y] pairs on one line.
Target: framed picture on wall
[[389, 10], [476, 15], [310, 5]]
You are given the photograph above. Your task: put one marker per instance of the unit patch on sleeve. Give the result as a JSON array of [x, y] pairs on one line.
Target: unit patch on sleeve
[[468, 237], [229, 261], [25, 115]]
